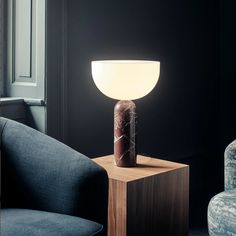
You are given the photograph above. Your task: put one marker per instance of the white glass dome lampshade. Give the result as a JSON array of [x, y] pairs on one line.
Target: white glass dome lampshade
[[125, 79]]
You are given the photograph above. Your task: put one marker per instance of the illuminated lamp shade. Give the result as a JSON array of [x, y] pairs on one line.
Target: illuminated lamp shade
[[125, 80]]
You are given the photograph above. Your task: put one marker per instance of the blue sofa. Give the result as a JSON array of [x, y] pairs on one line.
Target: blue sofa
[[222, 207], [48, 189]]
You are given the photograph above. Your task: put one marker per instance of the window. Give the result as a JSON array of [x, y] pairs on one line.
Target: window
[[22, 61], [31, 57], [25, 49]]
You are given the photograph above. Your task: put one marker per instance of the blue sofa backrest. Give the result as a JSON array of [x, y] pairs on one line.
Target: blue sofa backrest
[[39, 172]]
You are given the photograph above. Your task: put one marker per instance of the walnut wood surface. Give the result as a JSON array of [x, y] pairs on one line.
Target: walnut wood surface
[[146, 166], [150, 199]]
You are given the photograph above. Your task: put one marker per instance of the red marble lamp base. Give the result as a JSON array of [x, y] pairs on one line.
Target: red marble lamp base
[[124, 134]]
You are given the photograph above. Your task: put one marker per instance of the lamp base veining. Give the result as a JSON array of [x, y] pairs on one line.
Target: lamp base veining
[[124, 134]]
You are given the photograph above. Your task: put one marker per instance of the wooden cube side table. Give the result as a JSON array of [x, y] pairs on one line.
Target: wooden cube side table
[[150, 199]]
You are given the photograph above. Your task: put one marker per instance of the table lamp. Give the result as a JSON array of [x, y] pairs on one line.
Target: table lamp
[[125, 80]]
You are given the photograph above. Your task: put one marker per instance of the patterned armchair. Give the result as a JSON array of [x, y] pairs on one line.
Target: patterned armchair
[[222, 207]]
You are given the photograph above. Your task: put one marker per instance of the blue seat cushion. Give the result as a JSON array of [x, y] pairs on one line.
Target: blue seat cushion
[[23, 222], [222, 214]]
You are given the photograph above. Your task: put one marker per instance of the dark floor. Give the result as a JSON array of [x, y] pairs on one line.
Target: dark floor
[[202, 189], [198, 214], [198, 232]]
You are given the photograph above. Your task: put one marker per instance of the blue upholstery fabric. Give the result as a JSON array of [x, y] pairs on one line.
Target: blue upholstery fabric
[[39, 172], [222, 207], [23, 222]]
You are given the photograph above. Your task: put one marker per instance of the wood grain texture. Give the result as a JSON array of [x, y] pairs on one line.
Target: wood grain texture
[[158, 205], [117, 208], [150, 199], [146, 166]]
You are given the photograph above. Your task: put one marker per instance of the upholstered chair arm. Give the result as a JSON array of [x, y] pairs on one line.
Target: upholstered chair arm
[[230, 166], [39, 172]]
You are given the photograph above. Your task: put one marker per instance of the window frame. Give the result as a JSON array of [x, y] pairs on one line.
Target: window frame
[[34, 85]]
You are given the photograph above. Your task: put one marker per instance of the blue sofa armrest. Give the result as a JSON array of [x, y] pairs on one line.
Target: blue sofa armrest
[[230, 166], [39, 172]]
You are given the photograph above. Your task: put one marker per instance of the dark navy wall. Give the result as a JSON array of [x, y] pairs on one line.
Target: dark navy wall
[[228, 71], [181, 119], [175, 120]]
